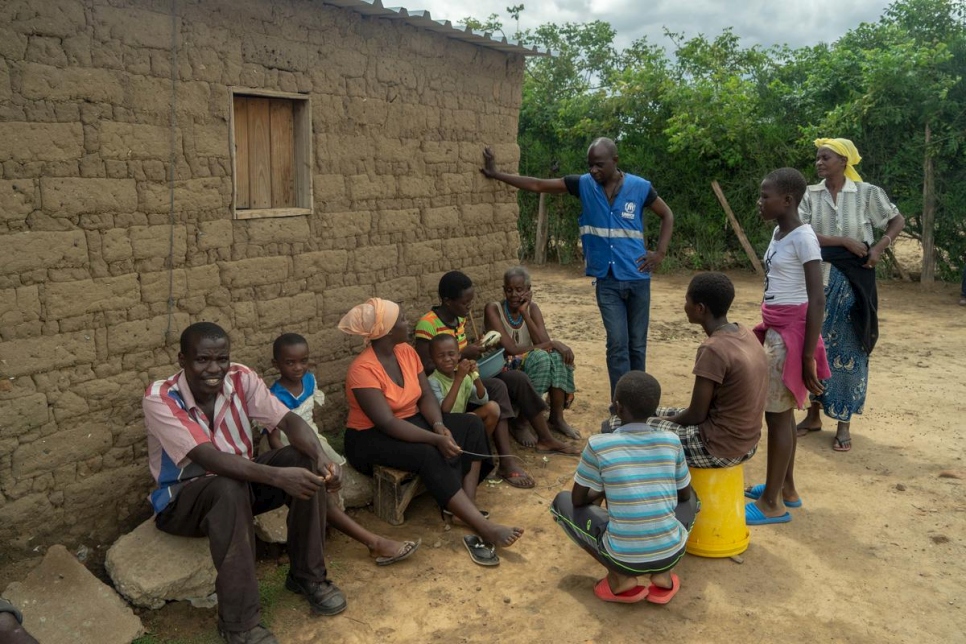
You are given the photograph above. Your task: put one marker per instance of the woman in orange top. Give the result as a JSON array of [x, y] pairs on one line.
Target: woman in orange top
[[395, 420]]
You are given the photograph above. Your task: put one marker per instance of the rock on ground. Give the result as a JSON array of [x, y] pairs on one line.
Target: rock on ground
[[63, 603], [272, 527], [357, 490], [150, 567]]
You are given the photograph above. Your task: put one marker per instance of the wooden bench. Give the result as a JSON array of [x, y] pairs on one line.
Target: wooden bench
[[394, 490]]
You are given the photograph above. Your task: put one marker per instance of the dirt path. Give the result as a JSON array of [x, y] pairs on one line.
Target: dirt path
[[876, 553]]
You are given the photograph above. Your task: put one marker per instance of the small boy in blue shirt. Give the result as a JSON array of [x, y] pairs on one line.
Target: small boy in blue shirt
[[641, 471], [297, 390]]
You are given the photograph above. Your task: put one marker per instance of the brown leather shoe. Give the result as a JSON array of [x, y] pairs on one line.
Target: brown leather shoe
[[324, 598], [257, 635]]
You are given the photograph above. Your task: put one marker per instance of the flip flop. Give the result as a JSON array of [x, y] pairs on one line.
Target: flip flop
[[805, 431], [659, 595], [409, 547], [755, 492], [754, 516], [483, 554], [604, 593], [520, 480], [841, 446]]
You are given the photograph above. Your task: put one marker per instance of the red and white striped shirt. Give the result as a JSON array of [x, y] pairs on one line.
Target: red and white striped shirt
[[176, 425]]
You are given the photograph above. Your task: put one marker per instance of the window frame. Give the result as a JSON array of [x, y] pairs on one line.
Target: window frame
[[302, 144]]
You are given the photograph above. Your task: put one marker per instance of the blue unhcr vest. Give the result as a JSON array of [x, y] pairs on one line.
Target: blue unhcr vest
[[613, 234]]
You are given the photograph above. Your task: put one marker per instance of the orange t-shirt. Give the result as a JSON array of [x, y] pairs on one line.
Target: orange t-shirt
[[366, 372]]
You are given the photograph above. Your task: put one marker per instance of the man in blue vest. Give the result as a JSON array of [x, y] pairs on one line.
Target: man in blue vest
[[612, 233]]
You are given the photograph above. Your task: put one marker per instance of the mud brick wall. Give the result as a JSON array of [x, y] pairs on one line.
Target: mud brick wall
[[399, 117]]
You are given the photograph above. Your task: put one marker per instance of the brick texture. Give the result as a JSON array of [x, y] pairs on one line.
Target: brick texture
[[99, 274]]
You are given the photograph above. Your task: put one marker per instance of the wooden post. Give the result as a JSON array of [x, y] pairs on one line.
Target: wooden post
[[749, 250], [928, 216], [902, 272], [540, 243]]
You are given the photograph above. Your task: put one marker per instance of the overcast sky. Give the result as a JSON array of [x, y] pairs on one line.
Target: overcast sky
[[793, 22]]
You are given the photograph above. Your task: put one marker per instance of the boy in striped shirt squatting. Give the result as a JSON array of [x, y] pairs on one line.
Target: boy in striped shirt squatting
[[641, 471]]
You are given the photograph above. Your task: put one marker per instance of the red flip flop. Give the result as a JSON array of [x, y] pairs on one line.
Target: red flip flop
[[603, 592], [658, 595]]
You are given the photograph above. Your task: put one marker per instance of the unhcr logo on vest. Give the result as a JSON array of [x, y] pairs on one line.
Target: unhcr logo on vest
[[629, 209]]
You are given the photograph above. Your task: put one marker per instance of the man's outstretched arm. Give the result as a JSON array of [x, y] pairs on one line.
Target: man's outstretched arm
[[530, 184]]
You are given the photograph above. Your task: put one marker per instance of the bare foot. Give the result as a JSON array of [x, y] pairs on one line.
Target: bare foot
[[662, 580], [621, 583], [501, 535], [523, 433], [553, 446], [805, 427], [560, 425], [386, 548], [514, 474]]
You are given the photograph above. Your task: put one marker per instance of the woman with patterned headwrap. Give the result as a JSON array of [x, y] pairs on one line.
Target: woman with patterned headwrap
[[395, 421], [844, 211]]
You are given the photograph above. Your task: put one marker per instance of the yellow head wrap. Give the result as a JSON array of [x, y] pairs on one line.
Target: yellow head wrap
[[372, 320], [843, 148]]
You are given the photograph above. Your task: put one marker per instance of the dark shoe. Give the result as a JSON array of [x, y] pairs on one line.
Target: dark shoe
[[258, 635], [324, 598]]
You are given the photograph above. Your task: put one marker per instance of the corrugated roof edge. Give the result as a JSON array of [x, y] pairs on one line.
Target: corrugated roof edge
[[422, 19]]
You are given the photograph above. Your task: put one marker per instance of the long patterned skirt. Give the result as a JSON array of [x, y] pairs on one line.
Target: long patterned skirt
[[844, 393]]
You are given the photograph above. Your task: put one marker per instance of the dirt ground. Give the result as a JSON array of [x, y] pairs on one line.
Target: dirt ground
[[877, 553]]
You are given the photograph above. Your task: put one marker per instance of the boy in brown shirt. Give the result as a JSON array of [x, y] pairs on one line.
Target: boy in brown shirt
[[722, 425]]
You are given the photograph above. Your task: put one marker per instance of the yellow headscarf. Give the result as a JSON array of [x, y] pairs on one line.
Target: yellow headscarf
[[372, 320], [843, 148]]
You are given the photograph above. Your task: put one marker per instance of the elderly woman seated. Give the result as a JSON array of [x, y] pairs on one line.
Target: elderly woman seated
[[549, 363], [395, 421]]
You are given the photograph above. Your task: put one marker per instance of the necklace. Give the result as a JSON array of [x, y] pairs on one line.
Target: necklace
[[617, 188], [514, 322], [722, 326], [454, 327]]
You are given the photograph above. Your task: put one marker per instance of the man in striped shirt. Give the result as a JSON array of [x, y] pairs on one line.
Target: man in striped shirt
[[200, 447], [641, 472]]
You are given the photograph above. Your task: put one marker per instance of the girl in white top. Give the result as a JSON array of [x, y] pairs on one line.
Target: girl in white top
[[792, 310]]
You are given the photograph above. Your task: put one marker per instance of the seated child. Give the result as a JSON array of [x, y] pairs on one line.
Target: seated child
[[641, 472], [296, 389], [457, 386], [722, 425]]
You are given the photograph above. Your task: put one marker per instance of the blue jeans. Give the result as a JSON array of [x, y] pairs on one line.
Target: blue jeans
[[625, 308]]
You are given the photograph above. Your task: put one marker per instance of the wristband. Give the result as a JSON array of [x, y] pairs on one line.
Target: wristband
[[889, 238], [439, 423]]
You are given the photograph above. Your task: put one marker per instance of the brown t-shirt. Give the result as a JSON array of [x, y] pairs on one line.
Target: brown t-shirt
[[736, 361]]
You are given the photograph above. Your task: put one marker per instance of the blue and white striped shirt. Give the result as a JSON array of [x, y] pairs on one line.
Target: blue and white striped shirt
[[640, 469]]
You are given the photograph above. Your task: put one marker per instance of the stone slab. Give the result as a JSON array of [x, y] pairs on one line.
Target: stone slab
[[150, 567], [63, 603], [357, 490], [271, 527]]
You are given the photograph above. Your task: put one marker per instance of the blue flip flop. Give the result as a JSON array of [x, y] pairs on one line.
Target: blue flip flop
[[756, 491], [754, 516]]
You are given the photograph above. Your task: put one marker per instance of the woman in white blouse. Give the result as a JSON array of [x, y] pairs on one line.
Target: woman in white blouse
[[844, 211]]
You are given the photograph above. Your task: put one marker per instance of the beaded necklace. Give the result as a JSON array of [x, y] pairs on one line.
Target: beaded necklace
[[516, 323]]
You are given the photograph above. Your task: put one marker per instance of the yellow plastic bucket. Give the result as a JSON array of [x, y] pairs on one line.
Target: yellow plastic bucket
[[719, 528]]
